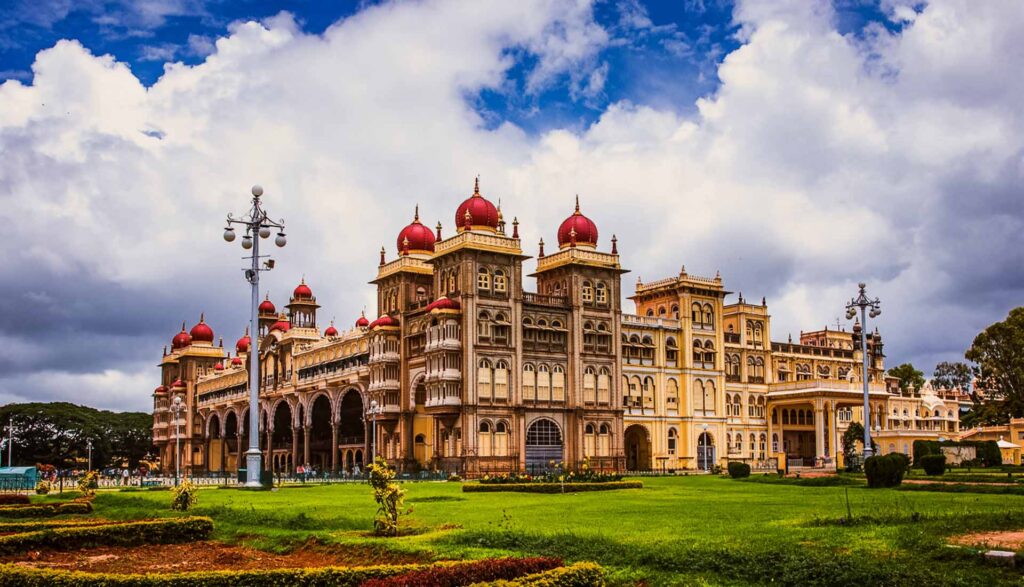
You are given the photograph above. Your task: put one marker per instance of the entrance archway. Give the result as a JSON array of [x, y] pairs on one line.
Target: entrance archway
[[543, 444], [282, 438], [705, 451], [320, 433], [232, 441], [638, 448], [351, 427], [214, 445]]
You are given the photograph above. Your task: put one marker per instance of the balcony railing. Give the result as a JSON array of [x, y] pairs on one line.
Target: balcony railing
[[545, 300]]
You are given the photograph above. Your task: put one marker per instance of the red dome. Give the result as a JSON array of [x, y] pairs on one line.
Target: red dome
[[331, 331], [201, 332], [160, 390], [178, 383], [218, 367], [182, 339], [362, 322], [237, 361], [267, 306], [384, 320], [243, 344], [282, 325], [585, 229], [482, 213], [444, 303], [420, 238], [302, 291]]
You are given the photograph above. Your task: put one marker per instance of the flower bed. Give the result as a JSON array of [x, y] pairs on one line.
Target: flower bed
[[126, 534], [469, 573], [579, 575], [551, 487]]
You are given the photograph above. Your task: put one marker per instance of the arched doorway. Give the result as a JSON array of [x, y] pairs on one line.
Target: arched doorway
[[543, 444], [638, 448], [320, 433], [421, 449], [282, 438], [705, 452], [231, 441], [214, 445], [351, 427]]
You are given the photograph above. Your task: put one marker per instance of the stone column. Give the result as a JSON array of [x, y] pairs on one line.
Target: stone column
[[223, 454], [270, 450], [834, 421], [819, 431], [334, 447], [295, 447], [305, 444]]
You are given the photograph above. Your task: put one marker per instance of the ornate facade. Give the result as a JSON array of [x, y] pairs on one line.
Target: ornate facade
[[469, 372]]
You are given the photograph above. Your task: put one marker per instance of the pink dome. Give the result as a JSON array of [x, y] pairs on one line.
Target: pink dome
[[201, 332], [578, 225], [482, 213], [416, 238]]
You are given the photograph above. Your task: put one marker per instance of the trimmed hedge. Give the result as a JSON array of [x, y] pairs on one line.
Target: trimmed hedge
[[934, 464], [551, 487], [45, 510], [471, 572], [986, 451], [14, 498], [32, 525], [578, 575], [887, 470], [739, 470], [167, 531]]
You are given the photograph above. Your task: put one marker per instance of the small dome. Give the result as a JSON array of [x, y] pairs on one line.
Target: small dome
[[577, 228], [362, 322], [444, 303], [384, 321], [243, 344], [160, 390], [267, 306], [181, 340], [302, 291], [416, 238], [178, 383], [236, 362], [218, 367], [481, 213], [201, 332], [331, 330], [282, 325]]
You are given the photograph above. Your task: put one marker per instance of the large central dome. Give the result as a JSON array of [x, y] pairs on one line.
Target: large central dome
[[477, 212]]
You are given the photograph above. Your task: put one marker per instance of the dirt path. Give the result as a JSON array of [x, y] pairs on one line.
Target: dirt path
[[1008, 540]]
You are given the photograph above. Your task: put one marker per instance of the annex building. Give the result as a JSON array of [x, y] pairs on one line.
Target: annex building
[[474, 373]]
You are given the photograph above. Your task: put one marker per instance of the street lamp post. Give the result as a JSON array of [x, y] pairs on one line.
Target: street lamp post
[[373, 411], [10, 442], [256, 222], [88, 446], [868, 308], [176, 408]]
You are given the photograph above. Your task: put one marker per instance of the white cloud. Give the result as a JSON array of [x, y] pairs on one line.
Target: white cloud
[[820, 161]]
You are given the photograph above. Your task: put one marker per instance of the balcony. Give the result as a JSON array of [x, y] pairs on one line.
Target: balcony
[[545, 300], [634, 320]]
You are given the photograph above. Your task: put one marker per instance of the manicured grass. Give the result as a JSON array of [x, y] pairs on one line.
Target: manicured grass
[[685, 530]]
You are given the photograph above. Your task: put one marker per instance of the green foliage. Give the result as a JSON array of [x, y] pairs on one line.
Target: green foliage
[[577, 575], [45, 510], [566, 487], [14, 499], [908, 376], [886, 470], [56, 433], [934, 464], [998, 352], [986, 451], [89, 483], [954, 375], [184, 496], [470, 573], [739, 470], [388, 495], [43, 487], [127, 534]]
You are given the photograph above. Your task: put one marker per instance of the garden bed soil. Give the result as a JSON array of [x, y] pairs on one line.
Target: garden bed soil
[[203, 556], [1007, 539], [953, 481]]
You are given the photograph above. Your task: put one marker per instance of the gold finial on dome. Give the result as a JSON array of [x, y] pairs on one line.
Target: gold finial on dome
[[416, 216], [577, 212], [476, 186]]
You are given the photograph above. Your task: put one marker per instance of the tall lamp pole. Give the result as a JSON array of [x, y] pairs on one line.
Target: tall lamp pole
[[10, 442], [88, 446], [256, 222], [374, 410], [868, 308], [176, 408]]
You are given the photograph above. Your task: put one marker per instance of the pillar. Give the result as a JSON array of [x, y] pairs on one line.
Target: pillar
[[334, 447], [223, 454], [270, 450], [819, 432], [295, 447], [834, 419], [305, 444]]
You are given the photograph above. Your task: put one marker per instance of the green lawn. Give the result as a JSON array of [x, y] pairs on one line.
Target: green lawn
[[684, 530]]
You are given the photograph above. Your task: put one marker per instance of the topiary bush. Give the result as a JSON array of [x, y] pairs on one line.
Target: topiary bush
[[739, 470], [89, 483], [184, 496], [934, 464], [43, 487], [886, 471]]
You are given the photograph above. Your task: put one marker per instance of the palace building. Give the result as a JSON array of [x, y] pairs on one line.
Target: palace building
[[469, 372]]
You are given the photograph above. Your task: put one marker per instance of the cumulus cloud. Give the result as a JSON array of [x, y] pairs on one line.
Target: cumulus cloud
[[821, 160]]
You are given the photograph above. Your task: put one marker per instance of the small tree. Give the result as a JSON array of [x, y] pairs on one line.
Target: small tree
[[934, 464], [388, 495], [89, 483], [908, 376], [184, 496]]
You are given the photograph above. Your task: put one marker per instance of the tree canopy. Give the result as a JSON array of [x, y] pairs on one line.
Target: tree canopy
[[908, 376], [998, 353], [57, 433], [953, 375]]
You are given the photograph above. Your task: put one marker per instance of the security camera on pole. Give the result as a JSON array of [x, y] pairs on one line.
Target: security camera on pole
[[872, 308], [258, 226]]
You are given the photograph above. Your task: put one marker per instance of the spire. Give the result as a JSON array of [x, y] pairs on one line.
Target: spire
[[202, 317], [382, 256], [220, 342], [476, 187], [615, 245], [718, 275], [541, 254], [763, 301], [438, 237], [577, 212], [515, 227], [183, 326], [416, 216]]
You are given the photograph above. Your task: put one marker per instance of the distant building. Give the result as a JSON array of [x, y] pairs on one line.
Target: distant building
[[475, 374]]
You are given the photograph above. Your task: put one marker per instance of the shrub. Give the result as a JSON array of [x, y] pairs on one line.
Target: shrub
[[986, 451], [454, 478], [127, 534], [934, 464], [89, 483], [577, 575], [468, 573], [14, 499], [885, 471], [739, 470], [184, 496], [388, 495], [43, 487], [550, 487], [45, 510]]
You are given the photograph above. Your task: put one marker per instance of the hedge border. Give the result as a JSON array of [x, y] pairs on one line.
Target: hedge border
[[162, 531], [581, 574], [550, 487], [45, 510]]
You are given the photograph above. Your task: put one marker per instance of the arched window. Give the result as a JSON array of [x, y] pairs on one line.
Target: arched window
[[500, 439], [590, 385], [483, 379], [671, 352], [558, 383], [484, 438], [650, 313], [589, 440], [483, 279], [604, 381], [483, 325], [649, 392], [602, 293], [662, 311], [588, 292], [604, 441], [675, 311], [500, 380], [529, 382], [500, 281], [672, 395], [673, 436], [709, 315], [543, 383]]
